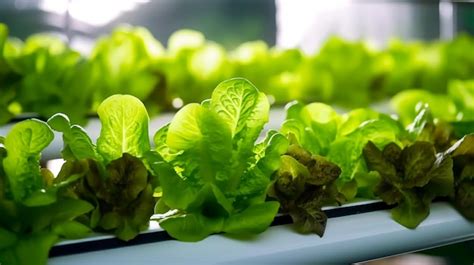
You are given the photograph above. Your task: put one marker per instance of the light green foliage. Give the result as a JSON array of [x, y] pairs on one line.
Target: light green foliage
[[347, 153], [314, 125], [408, 65], [409, 102], [214, 178], [24, 143], [290, 68], [457, 63], [7, 80], [341, 138], [43, 75], [28, 233], [122, 63], [425, 128], [205, 140], [456, 105], [350, 67], [401, 65], [124, 130], [452, 113], [250, 61], [51, 77], [124, 122], [462, 94], [191, 67], [77, 144], [274, 70], [34, 213]]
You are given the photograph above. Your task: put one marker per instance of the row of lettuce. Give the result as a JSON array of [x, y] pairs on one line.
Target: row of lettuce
[[207, 171], [43, 75]]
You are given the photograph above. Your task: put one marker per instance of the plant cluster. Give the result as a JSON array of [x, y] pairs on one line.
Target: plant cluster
[[211, 170], [43, 75]]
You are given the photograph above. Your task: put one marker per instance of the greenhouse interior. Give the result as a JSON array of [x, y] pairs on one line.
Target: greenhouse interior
[[236, 132]]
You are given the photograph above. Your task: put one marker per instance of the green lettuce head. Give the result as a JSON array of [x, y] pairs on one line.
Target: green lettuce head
[[213, 176], [113, 174]]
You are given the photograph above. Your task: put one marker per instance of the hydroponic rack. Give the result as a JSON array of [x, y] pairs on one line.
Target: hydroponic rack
[[357, 232]]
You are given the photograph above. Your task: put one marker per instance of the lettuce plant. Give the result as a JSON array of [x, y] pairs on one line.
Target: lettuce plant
[[303, 184], [426, 128], [340, 138], [43, 75], [34, 214], [455, 105], [456, 63], [462, 94], [122, 63], [8, 78], [52, 77], [113, 175], [400, 66], [407, 104], [348, 65], [214, 178], [410, 178], [191, 67]]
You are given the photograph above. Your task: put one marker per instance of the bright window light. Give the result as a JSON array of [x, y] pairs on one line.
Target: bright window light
[[54, 6], [99, 13], [93, 12]]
